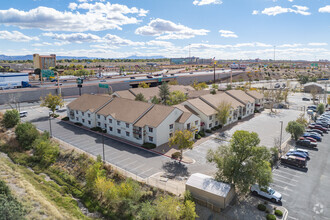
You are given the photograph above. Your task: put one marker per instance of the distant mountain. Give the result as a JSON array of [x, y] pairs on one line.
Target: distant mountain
[[134, 57], [30, 57]]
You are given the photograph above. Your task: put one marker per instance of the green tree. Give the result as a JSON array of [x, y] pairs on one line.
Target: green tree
[[182, 139], [223, 112], [11, 118], [45, 151], [26, 134], [189, 211], [164, 92], [176, 97], [140, 97], [143, 85], [51, 101], [242, 162], [295, 129], [93, 171], [155, 100], [168, 207], [302, 120], [320, 108], [147, 211]]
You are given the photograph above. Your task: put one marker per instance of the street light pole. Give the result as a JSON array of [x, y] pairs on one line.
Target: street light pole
[[281, 138], [50, 126], [214, 73], [103, 147]]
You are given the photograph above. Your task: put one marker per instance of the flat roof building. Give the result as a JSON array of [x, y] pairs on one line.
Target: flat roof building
[[44, 62]]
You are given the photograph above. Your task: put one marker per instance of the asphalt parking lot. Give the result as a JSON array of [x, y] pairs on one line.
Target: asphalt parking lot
[[306, 192]]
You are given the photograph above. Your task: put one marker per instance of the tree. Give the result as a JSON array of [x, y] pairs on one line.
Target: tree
[[26, 134], [320, 108], [143, 85], [328, 99], [155, 100], [242, 162], [314, 94], [164, 92], [223, 112], [11, 118], [302, 120], [173, 82], [52, 101], [183, 139], [38, 72], [295, 129], [285, 95], [45, 151], [168, 207], [176, 97], [140, 97], [189, 211]]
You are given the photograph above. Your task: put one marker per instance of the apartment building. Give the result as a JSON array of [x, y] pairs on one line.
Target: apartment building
[[246, 100], [44, 62], [259, 99]]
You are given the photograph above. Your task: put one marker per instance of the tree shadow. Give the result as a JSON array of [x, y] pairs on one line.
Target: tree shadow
[[175, 168]]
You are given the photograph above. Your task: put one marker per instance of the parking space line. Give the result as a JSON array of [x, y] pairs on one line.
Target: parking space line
[[138, 167], [128, 164], [121, 155], [285, 187], [291, 179], [286, 183], [290, 217], [144, 171], [122, 160], [288, 171]]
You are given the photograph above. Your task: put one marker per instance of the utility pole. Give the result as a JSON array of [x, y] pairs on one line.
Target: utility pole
[[214, 73], [274, 54], [50, 126], [281, 138], [103, 146]]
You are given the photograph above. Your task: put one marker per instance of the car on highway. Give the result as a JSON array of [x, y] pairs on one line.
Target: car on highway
[[108, 77], [54, 80], [56, 84], [294, 161], [306, 143], [305, 99], [297, 154], [103, 80], [149, 77], [316, 137], [266, 192], [132, 77]]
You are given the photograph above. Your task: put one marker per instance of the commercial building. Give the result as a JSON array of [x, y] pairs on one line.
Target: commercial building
[[209, 192], [309, 87], [44, 62], [190, 60]]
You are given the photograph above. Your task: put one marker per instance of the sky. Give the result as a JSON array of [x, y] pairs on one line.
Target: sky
[[224, 29]]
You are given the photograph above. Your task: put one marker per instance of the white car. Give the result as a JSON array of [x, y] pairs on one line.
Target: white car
[[267, 192]]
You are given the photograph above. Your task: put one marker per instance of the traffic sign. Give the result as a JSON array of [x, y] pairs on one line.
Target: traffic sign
[[106, 86], [47, 73], [80, 81], [79, 85]]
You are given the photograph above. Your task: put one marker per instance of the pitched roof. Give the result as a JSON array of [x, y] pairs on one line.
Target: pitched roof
[[186, 113], [126, 94], [89, 102], [125, 109], [216, 99], [255, 94], [241, 95], [202, 106], [148, 93], [181, 88], [155, 116], [197, 93]]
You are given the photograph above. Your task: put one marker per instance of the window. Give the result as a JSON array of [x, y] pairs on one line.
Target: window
[[127, 133], [110, 128], [77, 118], [210, 117], [76, 112], [171, 126], [210, 125], [127, 125], [151, 130], [99, 124], [188, 126], [104, 118], [151, 139], [89, 122], [118, 131], [196, 122], [89, 115], [216, 123], [118, 122], [105, 125], [83, 113], [98, 116], [171, 134], [83, 120], [110, 120]]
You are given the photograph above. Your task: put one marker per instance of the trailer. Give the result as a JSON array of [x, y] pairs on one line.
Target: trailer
[[14, 80]]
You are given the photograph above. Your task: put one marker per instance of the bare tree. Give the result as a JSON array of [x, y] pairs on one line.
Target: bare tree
[[314, 93], [14, 101]]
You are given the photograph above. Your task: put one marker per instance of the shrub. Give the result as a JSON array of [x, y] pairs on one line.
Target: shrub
[[270, 217], [262, 207], [176, 155], [201, 133], [279, 213], [11, 118], [197, 136], [65, 119], [208, 131], [78, 123], [26, 134], [45, 151], [214, 128], [98, 129], [149, 145], [187, 196]]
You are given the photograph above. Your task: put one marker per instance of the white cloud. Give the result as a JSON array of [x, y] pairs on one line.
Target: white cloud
[[73, 6], [99, 16], [207, 2], [325, 9], [255, 12], [16, 36], [42, 44], [227, 34], [289, 45], [303, 10], [317, 44], [164, 29], [159, 43], [290, 0], [118, 41], [74, 37]]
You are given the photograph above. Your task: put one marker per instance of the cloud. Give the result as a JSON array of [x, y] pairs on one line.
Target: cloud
[[317, 44], [73, 6], [16, 36], [74, 37], [303, 10], [325, 9], [42, 44], [227, 34], [255, 12], [118, 41], [207, 2], [289, 45], [159, 43], [99, 16], [164, 29]]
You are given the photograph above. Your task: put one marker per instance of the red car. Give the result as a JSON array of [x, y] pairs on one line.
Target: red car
[[307, 138], [318, 127]]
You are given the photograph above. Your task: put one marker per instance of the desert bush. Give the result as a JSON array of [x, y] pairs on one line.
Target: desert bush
[[26, 134], [11, 118], [201, 133], [65, 119], [208, 131], [176, 155], [78, 123]]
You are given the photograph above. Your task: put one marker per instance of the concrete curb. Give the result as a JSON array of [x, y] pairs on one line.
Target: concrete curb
[[285, 212]]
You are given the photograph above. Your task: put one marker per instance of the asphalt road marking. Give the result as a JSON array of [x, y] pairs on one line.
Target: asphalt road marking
[[137, 167], [290, 217], [286, 183], [291, 179], [145, 171], [285, 187]]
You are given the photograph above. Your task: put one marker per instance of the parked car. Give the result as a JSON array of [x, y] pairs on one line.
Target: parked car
[[297, 154], [312, 136], [305, 99], [108, 77], [318, 127], [64, 80], [277, 85], [306, 143], [300, 150], [266, 192], [294, 161], [316, 131], [322, 123], [310, 139], [23, 114], [54, 80]]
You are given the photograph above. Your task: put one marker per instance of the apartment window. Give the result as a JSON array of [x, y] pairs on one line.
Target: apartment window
[[105, 125], [83, 113], [89, 122], [151, 130], [216, 123], [118, 122], [118, 131], [127, 133], [76, 112], [104, 118], [127, 125], [210, 117], [83, 120], [171, 135], [151, 139], [171, 126], [110, 120], [188, 126], [77, 119], [98, 116], [99, 124], [210, 125], [110, 128], [196, 122], [89, 115]]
